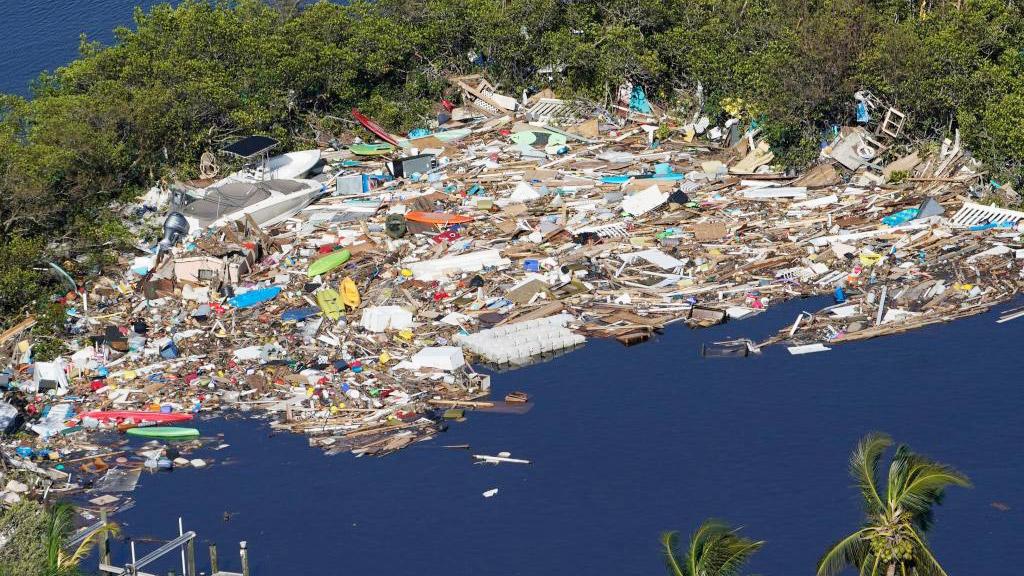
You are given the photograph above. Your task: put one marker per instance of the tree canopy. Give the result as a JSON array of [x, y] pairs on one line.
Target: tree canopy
[[184, 79]]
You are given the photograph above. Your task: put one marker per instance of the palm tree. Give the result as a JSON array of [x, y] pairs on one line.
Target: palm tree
[[715, 550], [59, 528], [893, 533]]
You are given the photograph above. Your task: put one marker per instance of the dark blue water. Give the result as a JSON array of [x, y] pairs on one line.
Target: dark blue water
[[626, 443], [37, 35]]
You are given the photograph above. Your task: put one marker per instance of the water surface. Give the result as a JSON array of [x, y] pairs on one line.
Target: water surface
[[626, 443]]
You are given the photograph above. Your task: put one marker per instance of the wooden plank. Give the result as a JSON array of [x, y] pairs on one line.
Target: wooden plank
[[17, 329]]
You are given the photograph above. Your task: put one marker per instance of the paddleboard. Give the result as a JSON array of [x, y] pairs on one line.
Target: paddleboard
[[328, 263], [439, 218], [330, 302], [349, 293], [625, 178], [136, 416], [254, 297], [163, 432], [371, 149]]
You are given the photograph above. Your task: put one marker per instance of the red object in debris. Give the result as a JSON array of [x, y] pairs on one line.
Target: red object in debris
[[440, 295], [325, 249], [448, 236], [97, 384], [136, 415], [449, 106], [374, 127]]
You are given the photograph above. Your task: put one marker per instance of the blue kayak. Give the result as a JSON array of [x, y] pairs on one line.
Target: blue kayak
[[254, 297]]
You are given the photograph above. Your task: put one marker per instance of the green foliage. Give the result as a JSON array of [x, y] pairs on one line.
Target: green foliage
[[189, 78], [38, 540], [20, 276], [898, 177], [715, 549], [897, 514], [24, 526], [47, 342]]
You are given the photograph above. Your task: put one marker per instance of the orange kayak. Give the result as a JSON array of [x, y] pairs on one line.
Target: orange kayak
[[441, 218]]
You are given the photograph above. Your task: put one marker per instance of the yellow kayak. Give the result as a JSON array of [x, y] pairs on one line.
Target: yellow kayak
[[330, 303], [349, 293]]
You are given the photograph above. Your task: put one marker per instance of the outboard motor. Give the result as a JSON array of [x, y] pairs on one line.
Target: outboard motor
[[175, 228]]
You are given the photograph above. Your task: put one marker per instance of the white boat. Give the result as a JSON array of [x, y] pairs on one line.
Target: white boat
[[288, 166], [268, 202]]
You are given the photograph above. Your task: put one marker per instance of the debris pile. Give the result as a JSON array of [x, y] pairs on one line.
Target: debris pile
[[353, 305]]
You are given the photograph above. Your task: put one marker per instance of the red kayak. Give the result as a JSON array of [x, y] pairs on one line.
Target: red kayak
[[374, 127], [136, 416]]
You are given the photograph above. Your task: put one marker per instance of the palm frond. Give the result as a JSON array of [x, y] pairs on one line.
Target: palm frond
[[670, 544], [736, 551], [850, 551], [58, 526], [717, 550], [864, 468], [699, 542], [922, 486], [90, 542], [925, 562]]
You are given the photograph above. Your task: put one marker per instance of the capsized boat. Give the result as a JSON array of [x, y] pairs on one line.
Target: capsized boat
[[268, 202]]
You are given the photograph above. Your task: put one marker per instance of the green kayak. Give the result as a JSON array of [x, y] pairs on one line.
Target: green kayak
[[164, 432], [328, 263], [371, 149]]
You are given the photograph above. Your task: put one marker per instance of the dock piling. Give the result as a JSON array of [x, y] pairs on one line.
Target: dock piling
[[243, 552]]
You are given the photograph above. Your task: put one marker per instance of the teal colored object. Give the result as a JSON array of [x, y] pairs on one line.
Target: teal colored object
[[991, 225], [638, 101], [663, 169], [418, 133], [625, 178], [163, 432], [255, 297], [901, 217]]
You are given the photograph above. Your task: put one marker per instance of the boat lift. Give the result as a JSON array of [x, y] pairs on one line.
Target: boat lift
[[185, 542]]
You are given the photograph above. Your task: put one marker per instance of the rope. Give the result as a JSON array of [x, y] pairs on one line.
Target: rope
[[208, 166]]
